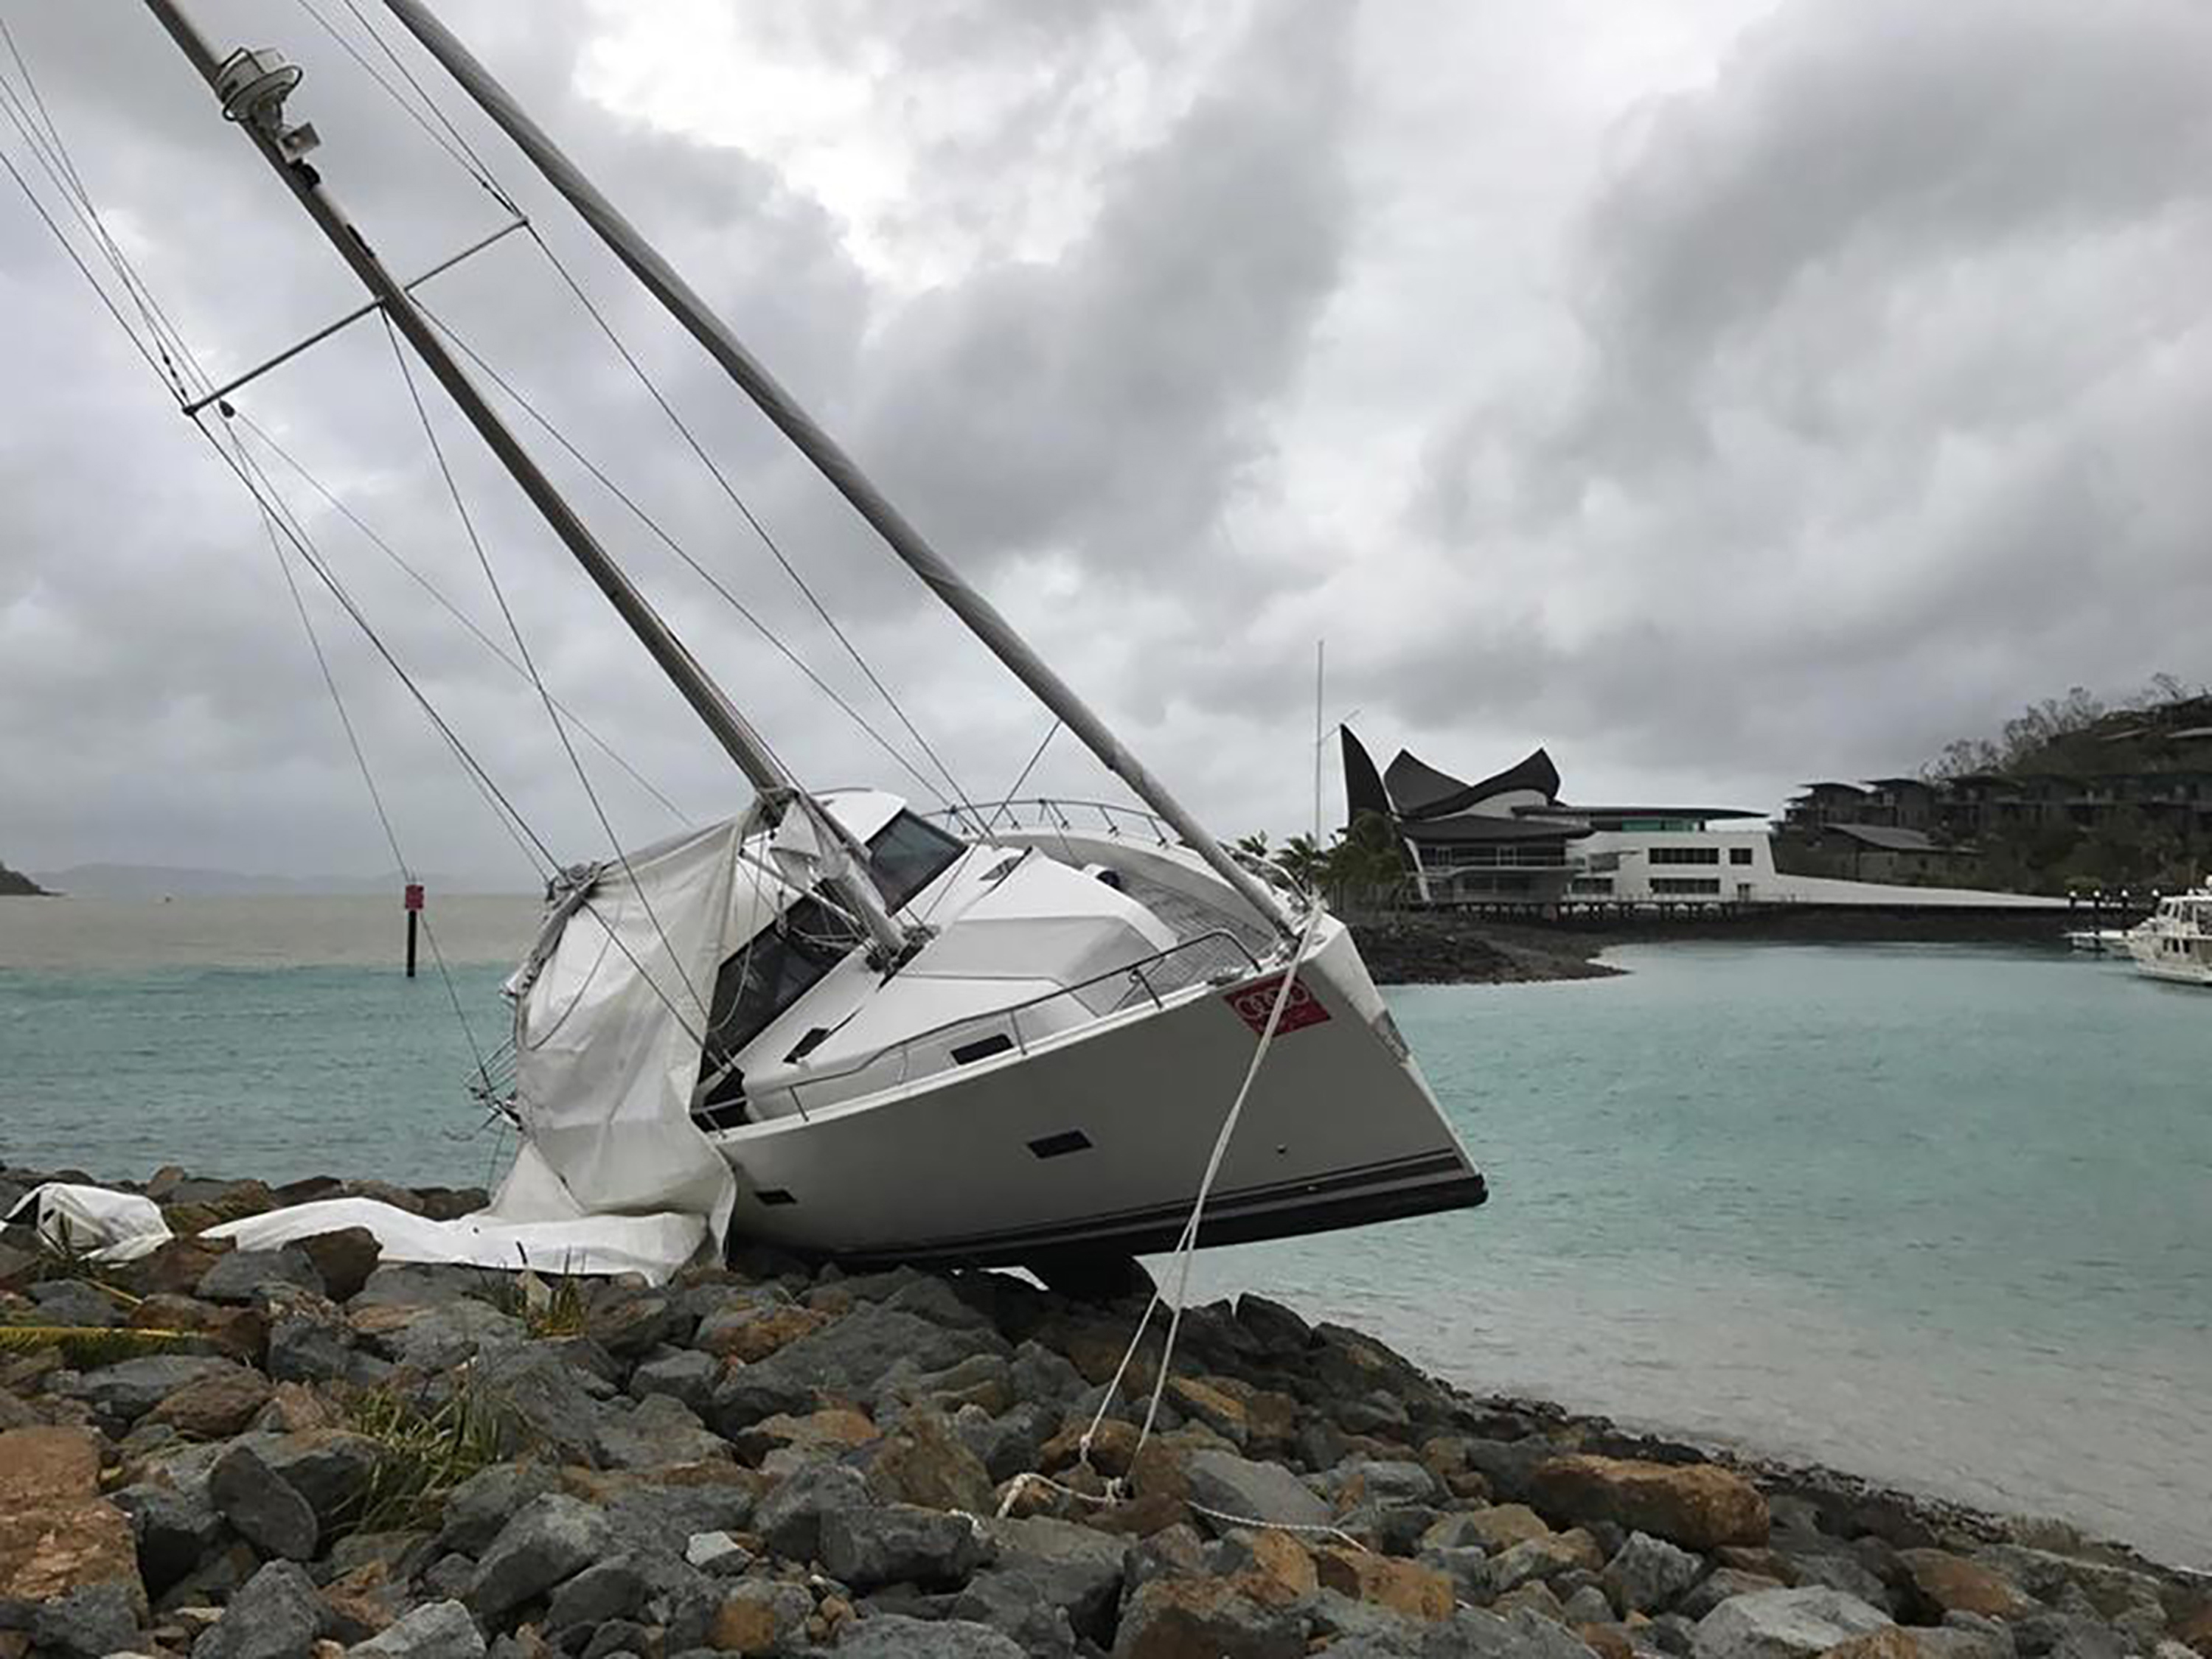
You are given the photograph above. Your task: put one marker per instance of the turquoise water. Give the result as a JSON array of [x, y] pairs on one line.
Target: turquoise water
[[1940, 1216]]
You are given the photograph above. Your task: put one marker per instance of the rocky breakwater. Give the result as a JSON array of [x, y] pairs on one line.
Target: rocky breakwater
[[332, 1455]]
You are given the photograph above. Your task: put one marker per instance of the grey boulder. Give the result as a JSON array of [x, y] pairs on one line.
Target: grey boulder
[[1252, 1494], [898, 1544], [1784, 1624], [1646, 1574], [276, 1614], [789, 1520], [267, 1510], [246, 1275], [551, 1538], [437, 1630]]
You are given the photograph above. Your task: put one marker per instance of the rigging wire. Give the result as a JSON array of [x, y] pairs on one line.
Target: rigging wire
[[533, 846], [369, 781], [663, 534], [462, 157], [51, 153], [384, 546], [522, 647], [960, 796], [61, 173], [1007, 802], [255, 479], [482, 171], [483, 168]]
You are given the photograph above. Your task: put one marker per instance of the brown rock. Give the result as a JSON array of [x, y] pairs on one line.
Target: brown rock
[[1745, 1558], [1209, 1401], [56, 1534], [177, 1265], [1607, 1641], [1137, 1517], [1205, 1619], [1502, 1526], [1698, 1505], [241, 1333], [345, 1258], [216, 1406], [923, 1461], [295, 1407], [744, 1626], [1406, 1588], [2194, 1629], [1018, 1499], [1271, 1421], [354, 1605], [1950, 1583], [1111, 1448], [1891, 1642], [759, 1337], [838, 1428], [1162, 1469], [1280, 1571]]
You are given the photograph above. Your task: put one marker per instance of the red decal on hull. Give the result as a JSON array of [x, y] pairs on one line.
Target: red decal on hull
[[1255, 1001]]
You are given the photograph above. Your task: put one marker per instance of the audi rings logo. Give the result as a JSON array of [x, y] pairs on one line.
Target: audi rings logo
[[1255, 1001]]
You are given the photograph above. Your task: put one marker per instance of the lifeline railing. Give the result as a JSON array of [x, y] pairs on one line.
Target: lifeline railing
[[1063, 814], [1216, 956]]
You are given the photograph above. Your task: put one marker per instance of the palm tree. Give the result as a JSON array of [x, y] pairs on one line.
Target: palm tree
[[1367, 864], [1303, 861]]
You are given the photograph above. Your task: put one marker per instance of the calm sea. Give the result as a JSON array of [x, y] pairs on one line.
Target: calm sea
[[1941, 1216]]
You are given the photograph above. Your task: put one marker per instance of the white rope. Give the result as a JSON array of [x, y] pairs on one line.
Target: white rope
[[1185, 1247], [1022, 1483]]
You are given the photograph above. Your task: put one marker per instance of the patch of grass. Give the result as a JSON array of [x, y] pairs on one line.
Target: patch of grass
[[547, 1308], [422, 1454], [64, 1258], [87, 1347]]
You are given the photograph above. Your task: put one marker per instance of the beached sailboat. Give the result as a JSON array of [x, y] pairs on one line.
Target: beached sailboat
[[1005, 1033]]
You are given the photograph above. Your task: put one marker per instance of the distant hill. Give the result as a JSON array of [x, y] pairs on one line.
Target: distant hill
[[14, 884], [154, 881]]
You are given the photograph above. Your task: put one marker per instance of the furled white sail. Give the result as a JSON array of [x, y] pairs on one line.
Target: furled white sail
[[607, 1041]]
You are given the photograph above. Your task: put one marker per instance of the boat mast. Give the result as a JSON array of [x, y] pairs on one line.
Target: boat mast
[[983, 618], [253, 88]]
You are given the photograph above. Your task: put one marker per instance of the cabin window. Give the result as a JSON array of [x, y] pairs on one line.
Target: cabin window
[[906, 855], [1739, 855], [781, 963]]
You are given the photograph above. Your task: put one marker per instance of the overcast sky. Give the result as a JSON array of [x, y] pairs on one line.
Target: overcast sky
[[1722, 393]]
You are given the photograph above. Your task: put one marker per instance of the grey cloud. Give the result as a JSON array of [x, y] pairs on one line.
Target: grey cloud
[[1794, 416]]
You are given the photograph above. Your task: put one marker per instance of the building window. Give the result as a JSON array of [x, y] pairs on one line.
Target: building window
[[1739, 855], [1599, 885], [1685, 855], [1686, 884]]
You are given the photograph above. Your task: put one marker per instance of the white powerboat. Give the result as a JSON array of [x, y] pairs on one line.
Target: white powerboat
[[2174, 942], [1008, 1033]]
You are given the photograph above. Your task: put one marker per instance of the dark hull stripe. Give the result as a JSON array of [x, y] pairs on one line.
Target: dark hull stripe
[[1441, 1181]]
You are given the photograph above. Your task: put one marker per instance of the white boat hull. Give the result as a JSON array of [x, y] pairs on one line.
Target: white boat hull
[[2155, 958], [1099, 1139]]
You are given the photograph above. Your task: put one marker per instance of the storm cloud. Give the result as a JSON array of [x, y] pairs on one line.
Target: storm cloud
[[1724, 395]]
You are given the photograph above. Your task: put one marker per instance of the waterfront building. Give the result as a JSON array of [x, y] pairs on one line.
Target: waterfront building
[[1508, 840]]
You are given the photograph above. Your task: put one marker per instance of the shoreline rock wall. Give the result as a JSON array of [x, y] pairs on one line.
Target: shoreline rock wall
[[330, 1454]]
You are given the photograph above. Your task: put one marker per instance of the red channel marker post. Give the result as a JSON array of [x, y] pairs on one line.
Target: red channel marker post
[[414, 920]]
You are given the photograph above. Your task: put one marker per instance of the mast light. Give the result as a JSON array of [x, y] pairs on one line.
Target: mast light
[[253, 86]]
